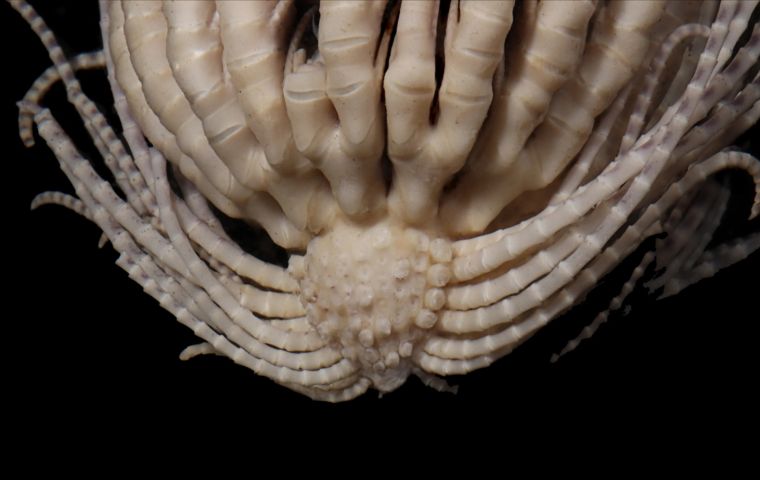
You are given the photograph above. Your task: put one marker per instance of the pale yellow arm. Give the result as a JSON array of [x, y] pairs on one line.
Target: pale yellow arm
[[618, 45], [536, 69], [149, 122], [333, 102], [145, 30], [194, 53], [253, 36], [458, 355], [428, 149]]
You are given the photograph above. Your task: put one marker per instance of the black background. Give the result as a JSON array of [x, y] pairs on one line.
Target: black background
[[90, 351]]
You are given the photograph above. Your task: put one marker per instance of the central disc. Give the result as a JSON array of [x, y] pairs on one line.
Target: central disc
[[374, 293]]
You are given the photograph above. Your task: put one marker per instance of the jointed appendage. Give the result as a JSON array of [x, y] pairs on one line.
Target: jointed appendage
[[446, 177]]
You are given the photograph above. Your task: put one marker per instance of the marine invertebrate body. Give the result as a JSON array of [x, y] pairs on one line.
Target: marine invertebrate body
[[446, 177]]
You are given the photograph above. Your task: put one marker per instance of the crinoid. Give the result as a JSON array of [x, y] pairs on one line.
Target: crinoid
[[437, 180]]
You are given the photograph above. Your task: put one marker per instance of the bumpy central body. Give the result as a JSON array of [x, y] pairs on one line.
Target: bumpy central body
[[372, 293]]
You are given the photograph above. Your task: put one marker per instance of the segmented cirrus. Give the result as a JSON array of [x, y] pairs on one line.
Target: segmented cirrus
[[447, 177]]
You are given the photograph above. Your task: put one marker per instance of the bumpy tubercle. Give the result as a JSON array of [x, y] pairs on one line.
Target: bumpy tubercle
[[374, 293]]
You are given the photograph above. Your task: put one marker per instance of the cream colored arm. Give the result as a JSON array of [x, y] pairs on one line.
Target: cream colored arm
[[455, 356], [409, 82], [338, 125], [618, 45], [253, 34], [145, 31], [427, 149], [349, 33], [148, 121], [194, 53]]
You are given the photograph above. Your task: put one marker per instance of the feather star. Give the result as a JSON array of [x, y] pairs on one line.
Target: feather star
[[341, 195]]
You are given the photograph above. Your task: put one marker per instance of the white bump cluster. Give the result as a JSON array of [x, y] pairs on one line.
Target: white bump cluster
[[373, 292]]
